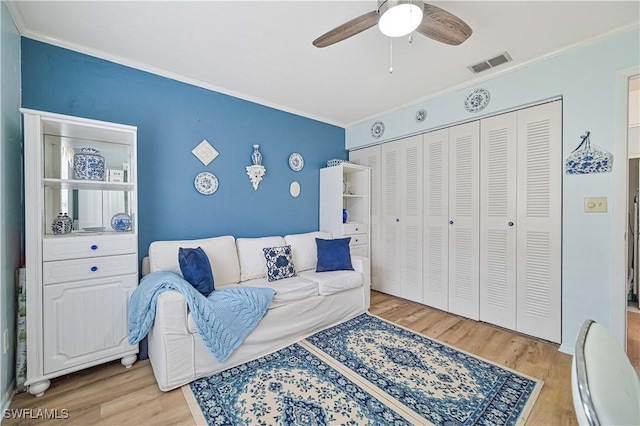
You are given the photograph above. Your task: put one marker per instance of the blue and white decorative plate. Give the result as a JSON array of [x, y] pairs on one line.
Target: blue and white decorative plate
[[377, 129], [121, 222], [206, 183], [477, 100], [296, 162], [421, 114]]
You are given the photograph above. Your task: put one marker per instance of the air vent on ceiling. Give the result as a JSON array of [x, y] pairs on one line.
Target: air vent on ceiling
[[502, 58]]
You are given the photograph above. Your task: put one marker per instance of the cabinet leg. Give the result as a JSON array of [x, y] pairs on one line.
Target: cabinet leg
[[128, 360], [38, 388]]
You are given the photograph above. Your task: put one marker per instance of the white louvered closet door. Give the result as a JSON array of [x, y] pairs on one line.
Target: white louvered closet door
[[436, 220], [390, 209], [410, 190], [539, 221], [371, 157], [498, 145], [464, 215]]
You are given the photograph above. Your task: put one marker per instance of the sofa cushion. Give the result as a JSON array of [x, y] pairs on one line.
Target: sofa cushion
[[221, 251], [196, 269], [334, 281], [251, 256], [279, 264], [303, 248], [334, 255]]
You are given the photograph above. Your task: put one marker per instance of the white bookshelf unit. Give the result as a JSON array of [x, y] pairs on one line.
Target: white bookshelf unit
[[347, 186], [79, 283]]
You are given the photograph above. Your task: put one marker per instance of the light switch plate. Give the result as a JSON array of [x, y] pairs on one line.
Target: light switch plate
[[595, 204]]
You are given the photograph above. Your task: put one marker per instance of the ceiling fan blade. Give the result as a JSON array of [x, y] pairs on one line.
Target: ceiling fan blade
[[443, 26], [348, 29]]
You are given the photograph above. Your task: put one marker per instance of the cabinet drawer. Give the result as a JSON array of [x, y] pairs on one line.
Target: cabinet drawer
[[85, 269], [75, 246], [359, 251], [357, 240], [86, 321], [354, 228]]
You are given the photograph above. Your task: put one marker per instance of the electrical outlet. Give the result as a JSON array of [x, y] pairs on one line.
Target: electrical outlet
[[5, 344], [595, 204]]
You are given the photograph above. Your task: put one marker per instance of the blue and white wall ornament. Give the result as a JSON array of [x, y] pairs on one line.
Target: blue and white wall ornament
[[257, 170], [588, 158]]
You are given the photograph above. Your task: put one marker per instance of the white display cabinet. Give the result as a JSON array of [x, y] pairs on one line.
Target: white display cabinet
[[347, 187], [79, 283]]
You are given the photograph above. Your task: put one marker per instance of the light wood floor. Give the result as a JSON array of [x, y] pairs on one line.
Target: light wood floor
[[633, 339], [112, 395]]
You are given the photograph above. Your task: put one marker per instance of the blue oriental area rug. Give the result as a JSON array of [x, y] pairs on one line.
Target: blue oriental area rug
[[366, 371]]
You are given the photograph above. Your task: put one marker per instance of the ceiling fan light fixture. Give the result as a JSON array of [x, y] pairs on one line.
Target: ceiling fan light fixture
[[399, 18]]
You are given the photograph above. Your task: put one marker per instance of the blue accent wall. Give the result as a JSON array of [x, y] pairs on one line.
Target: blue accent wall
[[173, 118]]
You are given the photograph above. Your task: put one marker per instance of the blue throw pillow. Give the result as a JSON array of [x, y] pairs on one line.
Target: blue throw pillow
[[196, 269], [333, 255], [279, 263]]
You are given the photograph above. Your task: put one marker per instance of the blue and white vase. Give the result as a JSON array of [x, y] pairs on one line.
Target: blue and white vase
[[256, 157], [61, 224], [88, 165], [121, 222], [344, 215]]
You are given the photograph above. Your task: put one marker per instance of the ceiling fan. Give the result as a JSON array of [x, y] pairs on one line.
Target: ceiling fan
[[397, 18]]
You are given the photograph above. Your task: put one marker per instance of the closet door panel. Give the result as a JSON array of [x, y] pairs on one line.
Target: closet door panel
[[436, 219], [371, 157], [410, 191], [539, 228], [391, 210], [464, 215], [498, 145]]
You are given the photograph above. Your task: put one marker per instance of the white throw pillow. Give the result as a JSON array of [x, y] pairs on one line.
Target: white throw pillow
[[303, 248], [221, 251], [252, 262]]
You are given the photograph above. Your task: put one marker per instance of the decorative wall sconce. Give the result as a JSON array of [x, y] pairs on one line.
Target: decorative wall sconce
[[255, 174], [257, 170]]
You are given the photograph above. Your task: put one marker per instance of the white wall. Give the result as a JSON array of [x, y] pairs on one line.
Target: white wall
[[10, 194], [585, 78]]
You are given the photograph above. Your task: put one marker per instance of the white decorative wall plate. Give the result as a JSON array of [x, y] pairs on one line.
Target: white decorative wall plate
[[296, 162], [377, 129], [206, 183], [477, 100], [205, 152], [294, 189], [421, 114]]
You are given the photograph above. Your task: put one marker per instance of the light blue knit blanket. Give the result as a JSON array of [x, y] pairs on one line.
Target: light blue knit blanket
[[223, 319]]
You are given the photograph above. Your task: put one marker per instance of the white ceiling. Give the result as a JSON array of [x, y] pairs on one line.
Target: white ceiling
[[261, 50]]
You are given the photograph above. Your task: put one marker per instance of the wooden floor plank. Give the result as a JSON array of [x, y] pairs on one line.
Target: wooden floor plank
[[112, 395]]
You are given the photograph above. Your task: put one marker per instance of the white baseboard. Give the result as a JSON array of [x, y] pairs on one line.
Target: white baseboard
[[6, 399], [566, 349]]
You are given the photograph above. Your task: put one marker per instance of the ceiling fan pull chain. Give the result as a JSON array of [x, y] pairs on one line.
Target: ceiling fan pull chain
[[390, 56]]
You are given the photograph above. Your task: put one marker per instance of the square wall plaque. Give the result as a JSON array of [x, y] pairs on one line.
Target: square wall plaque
[[205, 152]]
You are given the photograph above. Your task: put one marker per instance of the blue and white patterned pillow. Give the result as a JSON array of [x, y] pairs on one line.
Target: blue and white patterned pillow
[[279, 263]]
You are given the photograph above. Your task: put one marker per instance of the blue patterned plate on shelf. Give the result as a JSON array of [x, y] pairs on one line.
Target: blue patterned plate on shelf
[[121, 222]]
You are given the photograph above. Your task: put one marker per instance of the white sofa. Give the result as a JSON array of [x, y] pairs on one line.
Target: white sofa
[[303, 305]]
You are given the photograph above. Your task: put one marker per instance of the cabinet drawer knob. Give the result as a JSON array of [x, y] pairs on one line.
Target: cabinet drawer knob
[[94, 247], [94, 268], [450, 222], [356, 229], [510, 223], [397, 220]]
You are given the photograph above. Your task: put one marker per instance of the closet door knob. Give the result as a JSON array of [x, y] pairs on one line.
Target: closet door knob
[[450, 222], [510, 224]]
